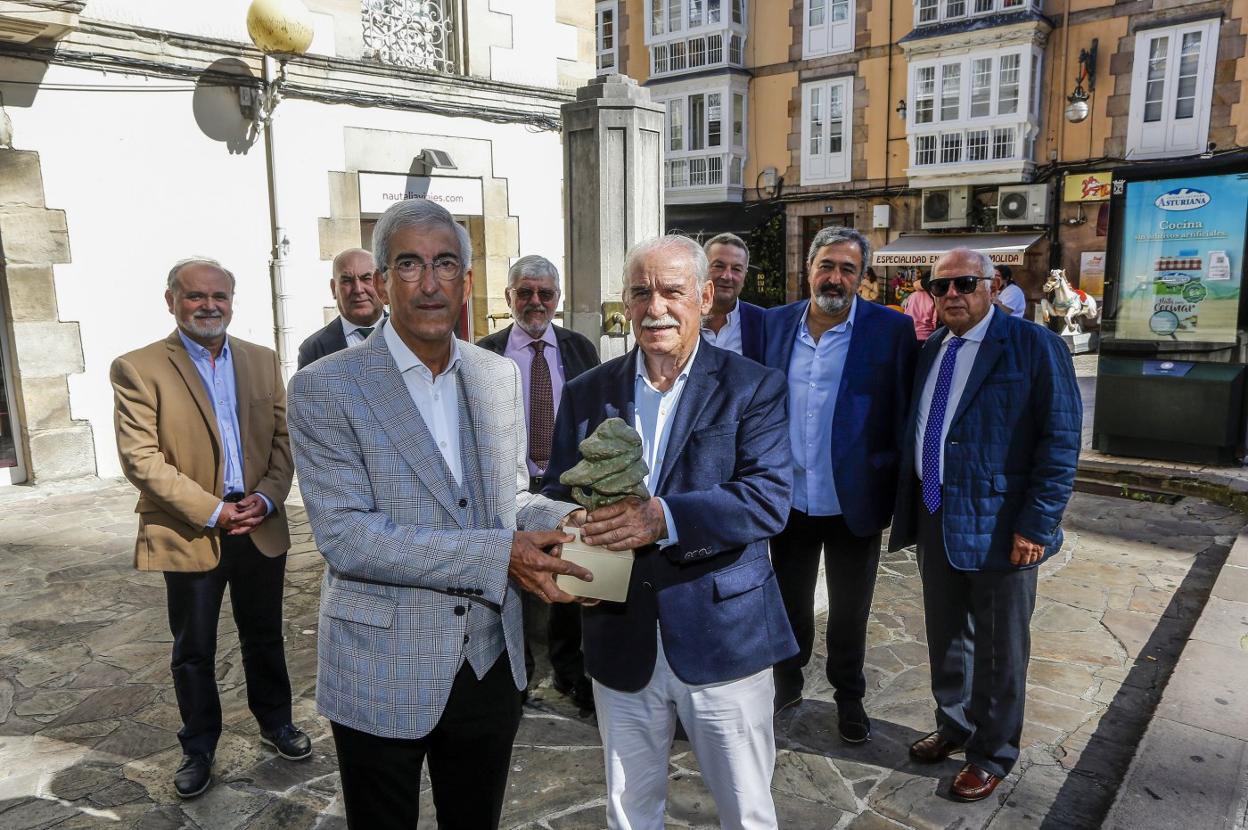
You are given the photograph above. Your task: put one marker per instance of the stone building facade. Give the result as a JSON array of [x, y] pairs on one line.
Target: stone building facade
[[134, 143]]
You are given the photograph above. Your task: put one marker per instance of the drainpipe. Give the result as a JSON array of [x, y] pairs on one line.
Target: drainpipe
[[282, 332]]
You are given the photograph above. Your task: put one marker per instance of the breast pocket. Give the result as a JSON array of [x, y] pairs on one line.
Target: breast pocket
[[714, 447]]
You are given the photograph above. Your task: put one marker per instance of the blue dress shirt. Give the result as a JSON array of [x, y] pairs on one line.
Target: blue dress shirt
[[218, 379], [815, 371]]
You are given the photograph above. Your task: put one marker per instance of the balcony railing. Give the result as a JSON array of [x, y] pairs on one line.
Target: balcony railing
[[708, 170], [417, 34], [724, 48], [987, 144]]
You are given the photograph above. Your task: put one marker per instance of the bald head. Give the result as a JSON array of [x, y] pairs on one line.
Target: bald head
[[354, 287]]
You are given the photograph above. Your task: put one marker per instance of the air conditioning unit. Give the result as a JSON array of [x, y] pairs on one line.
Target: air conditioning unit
[[945, 207], [1023, 204]]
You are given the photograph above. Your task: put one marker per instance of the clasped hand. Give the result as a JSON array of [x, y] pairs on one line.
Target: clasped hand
[[1025, 552], [242, 517]]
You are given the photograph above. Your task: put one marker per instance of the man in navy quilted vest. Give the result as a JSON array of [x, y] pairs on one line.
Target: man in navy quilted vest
[[995, 425]]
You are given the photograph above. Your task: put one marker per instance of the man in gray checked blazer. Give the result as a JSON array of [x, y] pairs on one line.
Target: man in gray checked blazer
[[411, 453]]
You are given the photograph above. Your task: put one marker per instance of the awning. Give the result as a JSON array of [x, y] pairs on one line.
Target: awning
[[925, 248]]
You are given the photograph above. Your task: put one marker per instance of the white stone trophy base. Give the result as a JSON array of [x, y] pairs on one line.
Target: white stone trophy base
[[611, 570]]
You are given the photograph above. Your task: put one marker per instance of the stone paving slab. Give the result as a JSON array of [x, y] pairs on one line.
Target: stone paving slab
[[88, 717]]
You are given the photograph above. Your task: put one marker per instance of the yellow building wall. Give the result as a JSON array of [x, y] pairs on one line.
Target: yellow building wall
[[1239, 111], [771, 34], [770, 123], [636, 64], [886, 149], [1075, 142]]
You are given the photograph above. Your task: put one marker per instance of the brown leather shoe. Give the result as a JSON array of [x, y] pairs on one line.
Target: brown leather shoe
[[933, 749], [973, 784]]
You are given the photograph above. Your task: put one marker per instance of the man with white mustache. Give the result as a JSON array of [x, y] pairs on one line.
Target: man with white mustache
[[703, 621], [201, 432], [850, 366]]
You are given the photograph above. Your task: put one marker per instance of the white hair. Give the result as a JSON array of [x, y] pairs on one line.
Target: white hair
[[172, 284], [415, 213], [682, 244]]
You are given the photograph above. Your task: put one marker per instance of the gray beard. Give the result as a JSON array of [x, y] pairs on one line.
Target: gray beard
[[209, 328], [831, 304], [532, 329]]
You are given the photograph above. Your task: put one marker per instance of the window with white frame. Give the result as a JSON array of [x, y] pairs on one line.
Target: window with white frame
[[827, 109], [973, 108], [705, 139], [939, 11], [1172, 90], [829, 27], [606, 12], [687, 35]]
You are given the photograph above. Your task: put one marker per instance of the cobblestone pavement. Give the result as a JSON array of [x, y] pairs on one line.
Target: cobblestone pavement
[[88, 717]]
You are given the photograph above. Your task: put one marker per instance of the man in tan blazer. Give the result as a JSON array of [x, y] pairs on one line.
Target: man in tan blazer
[[201, 431]]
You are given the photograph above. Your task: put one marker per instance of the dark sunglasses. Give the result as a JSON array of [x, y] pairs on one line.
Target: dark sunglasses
[[963, 285]]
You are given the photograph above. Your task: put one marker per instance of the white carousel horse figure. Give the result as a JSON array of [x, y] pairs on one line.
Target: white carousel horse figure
[[1067, 303]]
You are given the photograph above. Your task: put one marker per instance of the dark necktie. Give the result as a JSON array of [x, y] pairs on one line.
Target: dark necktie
[[541, 407], [936, 424], [365, 331]]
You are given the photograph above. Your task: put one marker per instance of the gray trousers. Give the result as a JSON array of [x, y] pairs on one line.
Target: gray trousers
[[978, 643]]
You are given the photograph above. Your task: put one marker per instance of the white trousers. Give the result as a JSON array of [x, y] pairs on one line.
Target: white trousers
[[730, 728]]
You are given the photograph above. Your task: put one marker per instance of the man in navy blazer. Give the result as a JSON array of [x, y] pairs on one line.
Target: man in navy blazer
[[703, 622], [850, 365], [360, 308], [733, 324], [992, 442]]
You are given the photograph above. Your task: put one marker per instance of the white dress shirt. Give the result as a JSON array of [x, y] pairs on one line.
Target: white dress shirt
[[729, 336], [437, 399], [652, 417], [352, 332], [961, 373]]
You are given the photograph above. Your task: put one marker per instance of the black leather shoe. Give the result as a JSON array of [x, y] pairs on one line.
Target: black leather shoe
[[579, 691], [933, 748], [193, 776], [855, 726], [290, 743], [788, 688]]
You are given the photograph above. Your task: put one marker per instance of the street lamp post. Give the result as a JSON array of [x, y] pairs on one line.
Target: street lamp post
[[280, 29]]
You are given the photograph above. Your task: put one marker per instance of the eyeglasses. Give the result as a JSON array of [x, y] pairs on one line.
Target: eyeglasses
[[412, 269], [963, 285], [543, 294]]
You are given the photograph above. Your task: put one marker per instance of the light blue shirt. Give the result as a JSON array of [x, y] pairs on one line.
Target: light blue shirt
[[815, 371], [652, 415], [218, 379], [963, 362]]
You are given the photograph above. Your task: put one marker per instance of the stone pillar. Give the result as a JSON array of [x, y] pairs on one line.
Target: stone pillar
[[45, 349], [613, 197]]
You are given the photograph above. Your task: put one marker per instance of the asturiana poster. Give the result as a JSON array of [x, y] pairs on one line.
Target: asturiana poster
[[1182, 259]]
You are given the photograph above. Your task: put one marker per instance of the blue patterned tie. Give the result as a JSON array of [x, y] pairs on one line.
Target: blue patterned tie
[[935, 425]]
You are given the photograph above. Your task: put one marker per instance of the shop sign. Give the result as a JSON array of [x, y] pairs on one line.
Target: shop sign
[[378, 191], [1182, 259], [928, 258], [1088, 187]]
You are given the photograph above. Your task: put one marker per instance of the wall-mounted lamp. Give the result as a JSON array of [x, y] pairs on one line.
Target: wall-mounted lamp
[[430, 159], [901, 109], [1077, 108]]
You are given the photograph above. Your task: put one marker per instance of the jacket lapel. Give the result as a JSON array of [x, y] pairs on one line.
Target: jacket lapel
[[697, 393], [779, 349], [194, 384], [387, 396], [621, 393], [989, 352], [242, 387]]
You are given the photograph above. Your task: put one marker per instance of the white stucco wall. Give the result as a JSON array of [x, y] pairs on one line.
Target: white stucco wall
[[143, 185]]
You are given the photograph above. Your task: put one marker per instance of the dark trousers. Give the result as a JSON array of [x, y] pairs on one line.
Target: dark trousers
[[562, 625], [850, 563], [978, 642], [255, 582], [469, 753]]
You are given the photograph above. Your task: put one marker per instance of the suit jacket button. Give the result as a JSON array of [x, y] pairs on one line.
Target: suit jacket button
[[463, 502], [479, 592], [466, 638], [460, 610], [647, 585]]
